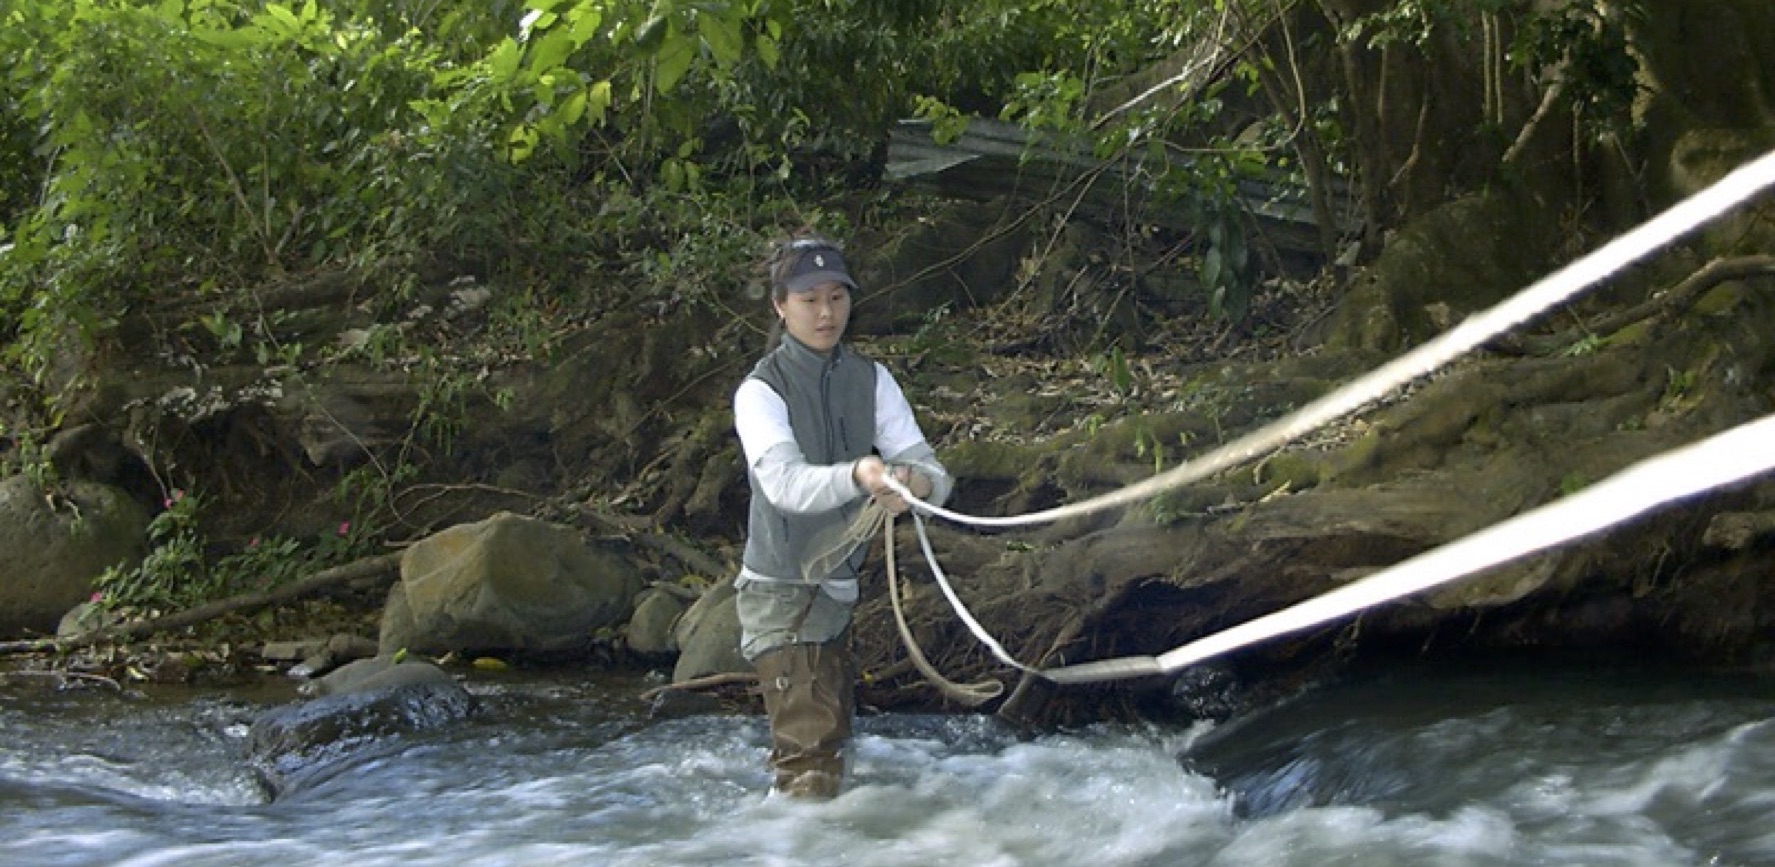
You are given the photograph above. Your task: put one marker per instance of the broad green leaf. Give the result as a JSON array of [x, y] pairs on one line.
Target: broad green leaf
[[725, 35], [598, 101], [767, 50], [584, 25], [573, 108], [1120, 375], [551, 50], [522, 142], [1213, 269], [652, 33], [673, 61], [288, 25], [503, 62]]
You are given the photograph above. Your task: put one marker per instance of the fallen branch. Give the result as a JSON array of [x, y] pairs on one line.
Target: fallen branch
[[699, 563], [365, 568], [704, 682], [1662, 304], [61, 678]]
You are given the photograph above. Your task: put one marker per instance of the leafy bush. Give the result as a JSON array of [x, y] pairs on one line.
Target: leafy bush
[[202, 144], [180, 572]]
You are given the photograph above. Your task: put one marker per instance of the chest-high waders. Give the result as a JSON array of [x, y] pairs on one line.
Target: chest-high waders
[[796, 634]]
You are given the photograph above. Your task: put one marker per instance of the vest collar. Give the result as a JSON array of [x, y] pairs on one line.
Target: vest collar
[[799, 359]]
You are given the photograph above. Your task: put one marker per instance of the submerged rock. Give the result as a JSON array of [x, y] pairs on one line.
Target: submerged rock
[[362, 711]]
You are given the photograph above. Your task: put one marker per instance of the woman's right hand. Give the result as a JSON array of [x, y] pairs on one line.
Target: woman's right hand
[[870, 472]]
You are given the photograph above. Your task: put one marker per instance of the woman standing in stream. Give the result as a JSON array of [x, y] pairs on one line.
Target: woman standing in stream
[[821, 428]]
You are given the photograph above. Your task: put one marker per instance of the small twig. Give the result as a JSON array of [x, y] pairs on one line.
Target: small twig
[[704, 682]]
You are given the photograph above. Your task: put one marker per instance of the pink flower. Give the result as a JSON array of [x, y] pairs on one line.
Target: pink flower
[[97, 597], [253, 542], [344, 528]]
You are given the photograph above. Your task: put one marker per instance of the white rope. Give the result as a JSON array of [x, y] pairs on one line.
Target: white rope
[[961, 611], [1735, 455], [1560, 286], [968, 695], [1646, 485]]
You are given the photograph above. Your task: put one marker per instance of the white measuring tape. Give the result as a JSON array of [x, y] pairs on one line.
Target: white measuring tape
[[1729, 457]]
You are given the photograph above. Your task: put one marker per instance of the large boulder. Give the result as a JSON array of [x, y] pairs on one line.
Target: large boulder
[[54, 545], [507, 583], [708, 636], [653, 629]]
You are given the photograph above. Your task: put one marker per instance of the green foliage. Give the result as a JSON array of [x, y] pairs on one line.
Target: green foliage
[[1589, 344], [1148, 444], [30, 458], [1227, 270], [193, 143], [1113, 366], [370, 492], [180, 572], [152, 147], [1584, 44], [947, 122], [172, 575], [1414, 22], [1591, 51], [190, 143], [596, 153]]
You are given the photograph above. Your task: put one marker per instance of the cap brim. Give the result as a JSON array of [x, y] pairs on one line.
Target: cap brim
[[807, 282]]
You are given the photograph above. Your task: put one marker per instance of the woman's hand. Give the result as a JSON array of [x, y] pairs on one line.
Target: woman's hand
[[870, 474]]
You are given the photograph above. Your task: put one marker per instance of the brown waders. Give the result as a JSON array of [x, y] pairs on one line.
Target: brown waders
[[809, 699], [798, 639]]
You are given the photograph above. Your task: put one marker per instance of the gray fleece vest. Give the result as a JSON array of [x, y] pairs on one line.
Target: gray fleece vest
[[831, 402]]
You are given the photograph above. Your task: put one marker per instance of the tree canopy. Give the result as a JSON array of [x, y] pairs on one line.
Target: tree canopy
[[149, 148]]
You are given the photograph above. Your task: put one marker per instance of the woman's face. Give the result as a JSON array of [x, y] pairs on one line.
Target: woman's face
[[818, 316]]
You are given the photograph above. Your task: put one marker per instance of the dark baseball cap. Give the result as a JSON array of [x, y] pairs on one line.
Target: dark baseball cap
[[814, 265]]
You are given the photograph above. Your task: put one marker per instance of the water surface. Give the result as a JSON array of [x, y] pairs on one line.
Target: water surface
[[1532, 765]]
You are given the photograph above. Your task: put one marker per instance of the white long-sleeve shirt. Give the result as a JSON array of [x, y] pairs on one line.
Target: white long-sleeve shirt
[[791, 484]]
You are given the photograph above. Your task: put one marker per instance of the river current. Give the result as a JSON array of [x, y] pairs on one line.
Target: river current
[[1519, 764]]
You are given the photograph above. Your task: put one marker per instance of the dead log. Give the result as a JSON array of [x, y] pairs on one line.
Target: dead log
[[366, 568]]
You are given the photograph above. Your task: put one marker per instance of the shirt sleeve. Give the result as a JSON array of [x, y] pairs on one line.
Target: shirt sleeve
[[900, 440], [785, 478]]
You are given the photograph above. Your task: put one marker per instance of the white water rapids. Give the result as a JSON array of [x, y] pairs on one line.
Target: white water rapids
[[1537, 765]]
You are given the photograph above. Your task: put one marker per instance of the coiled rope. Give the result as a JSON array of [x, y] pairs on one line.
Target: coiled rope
[[1735, 455]]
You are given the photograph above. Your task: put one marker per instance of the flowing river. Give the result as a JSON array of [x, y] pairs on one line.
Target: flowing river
[[1524, 764]]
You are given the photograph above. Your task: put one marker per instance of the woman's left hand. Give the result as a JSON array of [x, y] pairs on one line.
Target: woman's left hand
[[870, 473]]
